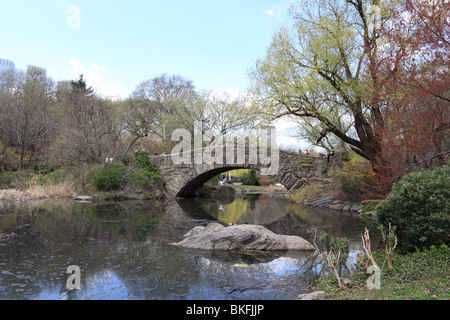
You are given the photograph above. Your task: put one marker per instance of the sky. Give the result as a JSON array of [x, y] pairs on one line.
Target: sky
[[118, 44]]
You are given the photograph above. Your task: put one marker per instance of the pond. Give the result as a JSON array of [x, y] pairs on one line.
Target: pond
[[124, 251]]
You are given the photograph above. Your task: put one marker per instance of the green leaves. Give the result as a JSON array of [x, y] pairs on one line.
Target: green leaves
[[419, 207]]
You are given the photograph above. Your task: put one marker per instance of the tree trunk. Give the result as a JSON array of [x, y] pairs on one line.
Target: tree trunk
[[83, 178], [22, 152]]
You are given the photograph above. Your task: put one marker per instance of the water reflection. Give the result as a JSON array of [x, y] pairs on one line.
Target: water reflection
[[124, 251]]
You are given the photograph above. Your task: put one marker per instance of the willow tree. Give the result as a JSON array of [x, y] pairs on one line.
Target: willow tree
[[322, 66]]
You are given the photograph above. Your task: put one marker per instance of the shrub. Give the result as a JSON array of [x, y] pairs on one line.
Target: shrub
[[264, 181], [353, 177], [54, 177], [142, 161], [7, 179], [19, 180], [45, 168], [110, 177], [419, 208], [252, 179], [138, 178]]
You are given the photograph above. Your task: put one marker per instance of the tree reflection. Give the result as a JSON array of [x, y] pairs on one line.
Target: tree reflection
[[124, 251]]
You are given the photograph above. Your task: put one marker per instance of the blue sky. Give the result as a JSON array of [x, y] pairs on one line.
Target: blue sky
[[117, 44]]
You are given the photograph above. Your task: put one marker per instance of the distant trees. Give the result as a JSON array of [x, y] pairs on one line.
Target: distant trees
[[169, 103], [26, 100], [165, 103], [70, 124]]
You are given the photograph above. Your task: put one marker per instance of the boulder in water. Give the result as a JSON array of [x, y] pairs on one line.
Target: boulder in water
[[240, 237]]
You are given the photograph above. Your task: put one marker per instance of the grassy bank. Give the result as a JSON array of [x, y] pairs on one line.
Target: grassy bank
[[29, 185], [270, 188], [421, 275], [66, 182]]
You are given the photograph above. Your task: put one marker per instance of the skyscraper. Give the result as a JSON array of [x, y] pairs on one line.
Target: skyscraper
[[6, 64]]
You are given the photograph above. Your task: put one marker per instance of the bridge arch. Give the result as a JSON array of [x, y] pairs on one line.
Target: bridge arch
[[294, 171], [190, 189]]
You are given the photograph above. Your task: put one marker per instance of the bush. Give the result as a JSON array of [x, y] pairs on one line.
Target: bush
[[7, 179], [142, 161], [264, 181], [44, 168], [251, 179], [110, 177], [19, 180], [354, 177], [138, 179], [419, 207]]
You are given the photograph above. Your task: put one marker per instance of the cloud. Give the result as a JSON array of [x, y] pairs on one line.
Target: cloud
[[276, 12], [98, 77], [232, 92]]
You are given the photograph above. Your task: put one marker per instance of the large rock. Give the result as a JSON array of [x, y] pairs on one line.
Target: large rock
[[240, 237], [316, 295]]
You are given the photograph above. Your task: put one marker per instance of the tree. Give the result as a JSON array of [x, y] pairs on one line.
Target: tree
[[223, 114], [417, 47], [163, 104], [168, 101], [316, 133], [413, 69], [320, 68], [26, 101], [139, 118], [387, 73], [85, 121]]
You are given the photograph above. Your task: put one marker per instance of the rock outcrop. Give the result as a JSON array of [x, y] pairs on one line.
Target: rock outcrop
[[240, 237]]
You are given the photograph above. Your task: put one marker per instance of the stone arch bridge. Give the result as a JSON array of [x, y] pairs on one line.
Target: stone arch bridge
[[291, 169]]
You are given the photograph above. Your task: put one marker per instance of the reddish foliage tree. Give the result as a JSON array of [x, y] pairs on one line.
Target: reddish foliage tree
[[412, 89]]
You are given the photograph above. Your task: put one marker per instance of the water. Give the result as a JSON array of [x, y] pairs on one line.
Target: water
[[124, 251]]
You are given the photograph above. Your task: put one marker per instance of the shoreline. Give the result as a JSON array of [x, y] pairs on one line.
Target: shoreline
[[333, 203]]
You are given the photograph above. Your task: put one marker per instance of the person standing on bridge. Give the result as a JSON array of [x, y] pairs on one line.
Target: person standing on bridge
[[330, 154]]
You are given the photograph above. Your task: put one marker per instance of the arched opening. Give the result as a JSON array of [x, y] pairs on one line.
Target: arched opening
[[190, 189]]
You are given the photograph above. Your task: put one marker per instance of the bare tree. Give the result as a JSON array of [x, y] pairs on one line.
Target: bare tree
[[26, 102], [84, 122]]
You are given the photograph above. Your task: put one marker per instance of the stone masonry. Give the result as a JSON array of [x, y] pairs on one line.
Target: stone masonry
[[294, 171]]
